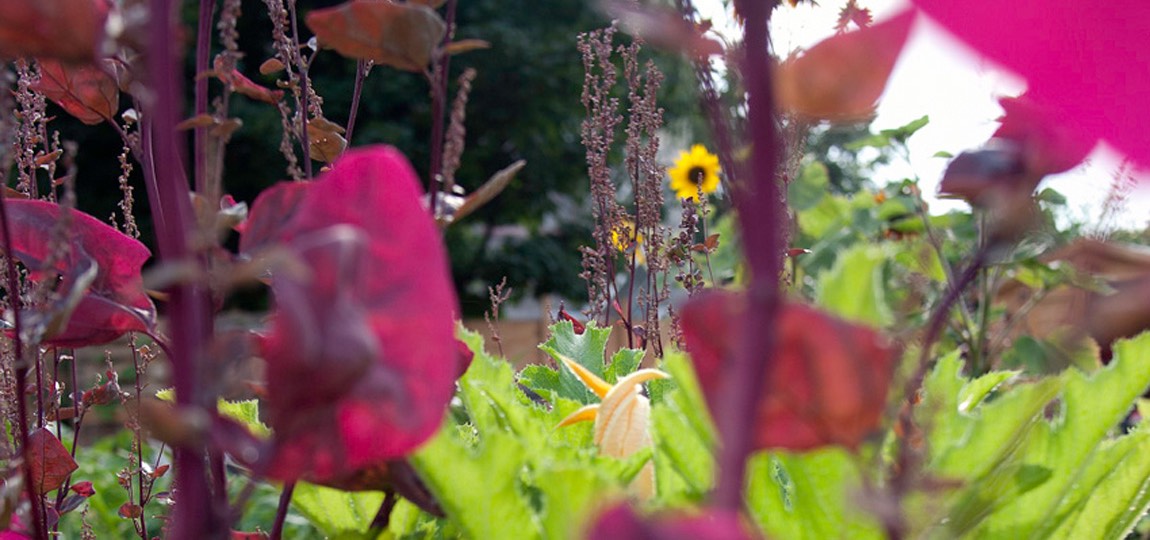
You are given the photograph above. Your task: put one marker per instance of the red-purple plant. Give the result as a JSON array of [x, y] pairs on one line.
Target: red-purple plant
[[828, 378], [66, 29], [361, 354], [1087, 65], [96, 276], [622, 523]]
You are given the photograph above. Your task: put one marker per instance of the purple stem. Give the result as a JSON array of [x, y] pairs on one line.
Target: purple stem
[[360, 74], [760, 213], [39, 389], [189, 306], [13, 285], [281, 511], [203, 50], [438, 99]]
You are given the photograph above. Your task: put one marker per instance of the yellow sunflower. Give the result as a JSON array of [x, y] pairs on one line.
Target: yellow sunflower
[[695, 172], [623, 233]]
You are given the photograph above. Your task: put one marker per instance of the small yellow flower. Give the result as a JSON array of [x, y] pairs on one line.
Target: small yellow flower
[[623, 234], [695, 172], [622, 418]]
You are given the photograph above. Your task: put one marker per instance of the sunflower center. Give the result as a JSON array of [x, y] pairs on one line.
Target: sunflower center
[[696, 175]]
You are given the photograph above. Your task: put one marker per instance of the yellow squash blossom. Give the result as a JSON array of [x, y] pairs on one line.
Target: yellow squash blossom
[[695, 172], [622, 419]]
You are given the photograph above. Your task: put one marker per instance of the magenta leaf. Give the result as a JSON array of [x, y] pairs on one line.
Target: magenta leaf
[[49, 463], [1045, 145], [622, 523], [361, 354], [83, 489], [1086, 63], [101, 292], [273, 209]]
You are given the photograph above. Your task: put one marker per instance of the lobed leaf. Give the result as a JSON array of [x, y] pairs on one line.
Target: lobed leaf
[[588, 349], [808, 496]]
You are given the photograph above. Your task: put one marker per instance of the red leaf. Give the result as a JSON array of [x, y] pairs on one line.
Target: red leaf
[[49, 462], [114, 302], [401, 35], [828, 378], [68, 30], [465, 356], [83, 489], [160, 471], [1085, 63], [620, 522], [245, 86], [842, 77], [272, 209], [131, 511], [102, 394], [576, 323], [85, 92], [241, 535], [362, 354]]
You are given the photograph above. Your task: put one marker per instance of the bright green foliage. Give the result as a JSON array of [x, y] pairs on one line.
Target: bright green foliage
[[1037, 457], [246, 412], [531, 479], [587, 349], [684, 437], [622, 363], [810, 187], [336, 513], [920, 258], [504, 470], [809, 496], [888, 137], [1004, 458], [854, 288]]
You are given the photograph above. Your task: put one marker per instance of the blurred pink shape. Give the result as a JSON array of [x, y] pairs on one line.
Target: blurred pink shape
[[1087, 63]]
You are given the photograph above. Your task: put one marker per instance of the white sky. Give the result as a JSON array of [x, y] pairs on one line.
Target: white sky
[[941, 77]]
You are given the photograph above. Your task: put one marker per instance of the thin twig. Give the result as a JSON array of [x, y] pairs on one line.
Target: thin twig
[[361, 69], [438, 104], [137, 432]]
